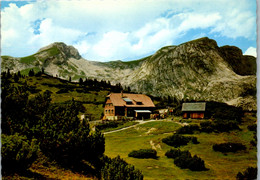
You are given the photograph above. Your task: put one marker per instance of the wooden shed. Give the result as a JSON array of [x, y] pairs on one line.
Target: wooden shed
[[194, 110]]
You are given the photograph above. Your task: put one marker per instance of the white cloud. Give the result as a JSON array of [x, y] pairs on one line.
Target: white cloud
[[251, 51], [194, 20], [122, 29], [49, 33], [112, 46]]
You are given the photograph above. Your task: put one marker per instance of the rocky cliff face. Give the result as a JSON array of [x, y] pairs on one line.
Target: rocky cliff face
[[197, 70], [242, 65]]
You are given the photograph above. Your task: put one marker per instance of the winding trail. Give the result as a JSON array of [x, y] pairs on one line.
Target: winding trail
[[142, 122], [139, 122]]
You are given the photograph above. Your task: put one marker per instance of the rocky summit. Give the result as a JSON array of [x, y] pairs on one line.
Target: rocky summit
[[195, 70]]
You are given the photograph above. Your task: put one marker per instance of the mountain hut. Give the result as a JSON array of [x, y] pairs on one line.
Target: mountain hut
[[194, 110], [120, 105]]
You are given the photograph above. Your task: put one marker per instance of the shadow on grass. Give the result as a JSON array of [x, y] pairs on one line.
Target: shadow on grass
[[23, 174], [84, 168], [156, 158]]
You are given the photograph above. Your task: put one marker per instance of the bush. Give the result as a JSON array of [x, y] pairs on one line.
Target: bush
[[254, 141], [194, 163], [225, 126], [188, 129], [249, 173], [219, 126], [228, 147], [252, 127], [118, 169], [17, 153], [21, 114], [206, 126], [177, 140], [68, 140], [143, 153], [194, 140], [173, 153], [220, 111], [183, 159]]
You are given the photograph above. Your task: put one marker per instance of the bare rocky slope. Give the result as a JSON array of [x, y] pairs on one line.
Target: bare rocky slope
[[198, 70]]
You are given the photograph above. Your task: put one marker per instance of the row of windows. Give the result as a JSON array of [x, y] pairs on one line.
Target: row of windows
[[109, 111]]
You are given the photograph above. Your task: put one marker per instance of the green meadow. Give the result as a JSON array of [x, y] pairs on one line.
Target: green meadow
[[150, 135]]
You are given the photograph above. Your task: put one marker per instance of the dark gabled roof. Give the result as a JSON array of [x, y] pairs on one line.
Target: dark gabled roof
[[197, 106]]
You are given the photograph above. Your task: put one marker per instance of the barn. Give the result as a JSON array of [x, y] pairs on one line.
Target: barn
[[194, 110], [119, 105]]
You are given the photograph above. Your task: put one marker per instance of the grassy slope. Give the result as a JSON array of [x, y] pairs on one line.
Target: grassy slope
[[92, 100], [220, 166]]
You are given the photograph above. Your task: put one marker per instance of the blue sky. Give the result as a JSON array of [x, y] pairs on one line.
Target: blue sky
[[104, 30]]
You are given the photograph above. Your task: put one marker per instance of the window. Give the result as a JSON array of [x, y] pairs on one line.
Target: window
[[128, 101]]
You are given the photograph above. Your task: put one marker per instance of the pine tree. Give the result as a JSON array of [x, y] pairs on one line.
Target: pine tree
[[31, 72], [19, 74], [16, 78], [80, 81], [8, 74]]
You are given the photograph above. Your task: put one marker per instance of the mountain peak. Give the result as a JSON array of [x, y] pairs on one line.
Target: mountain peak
[[61, 48], [204, 41]]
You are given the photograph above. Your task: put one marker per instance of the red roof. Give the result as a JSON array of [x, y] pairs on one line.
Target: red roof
[[138, 100]]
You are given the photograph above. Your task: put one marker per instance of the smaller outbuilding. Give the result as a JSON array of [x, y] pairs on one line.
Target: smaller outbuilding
[[194, 110]]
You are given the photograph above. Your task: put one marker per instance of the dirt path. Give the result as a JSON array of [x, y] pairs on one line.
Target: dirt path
[[139, 122], [158, 146], [142, 122], [182, 124]]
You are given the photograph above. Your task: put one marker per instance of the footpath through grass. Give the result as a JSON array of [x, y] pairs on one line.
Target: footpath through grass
[[150, 135]]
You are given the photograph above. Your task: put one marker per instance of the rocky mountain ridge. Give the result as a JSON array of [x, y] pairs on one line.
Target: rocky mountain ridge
[[198, 70]]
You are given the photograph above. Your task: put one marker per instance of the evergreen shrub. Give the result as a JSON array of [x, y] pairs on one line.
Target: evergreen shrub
[[228, 147], [118, 169], [249, 173], [184, 160], [18, 153], [177, 140], [143, 153]]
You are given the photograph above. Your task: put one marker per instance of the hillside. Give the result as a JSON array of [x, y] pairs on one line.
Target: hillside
[[91, 94], [198, 70]]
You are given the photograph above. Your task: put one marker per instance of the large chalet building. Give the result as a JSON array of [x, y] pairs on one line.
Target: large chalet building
[[119, 105]]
